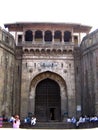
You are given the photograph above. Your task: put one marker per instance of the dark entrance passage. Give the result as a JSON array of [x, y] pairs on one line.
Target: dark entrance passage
[[52, 114], [48, 101]]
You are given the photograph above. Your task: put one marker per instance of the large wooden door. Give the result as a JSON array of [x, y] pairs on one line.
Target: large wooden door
[[48, 101]]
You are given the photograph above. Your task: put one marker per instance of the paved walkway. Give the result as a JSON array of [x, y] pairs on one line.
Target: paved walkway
[[46, 129]]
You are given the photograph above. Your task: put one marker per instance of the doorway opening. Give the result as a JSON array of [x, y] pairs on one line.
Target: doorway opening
[[48, 101], [52, 113]]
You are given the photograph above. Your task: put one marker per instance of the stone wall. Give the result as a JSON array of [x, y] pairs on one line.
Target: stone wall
[[7, 64], [89, 56]]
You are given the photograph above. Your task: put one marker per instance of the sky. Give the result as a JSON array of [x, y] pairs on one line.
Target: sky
[[84, 12]]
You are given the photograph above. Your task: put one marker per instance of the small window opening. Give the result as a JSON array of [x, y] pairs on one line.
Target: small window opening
[[19, 38], [67, 36]]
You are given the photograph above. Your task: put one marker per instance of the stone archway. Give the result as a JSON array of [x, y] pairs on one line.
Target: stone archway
[[60, 84]]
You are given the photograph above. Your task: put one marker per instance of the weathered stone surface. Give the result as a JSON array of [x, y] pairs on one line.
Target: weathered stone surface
[[24, 66]]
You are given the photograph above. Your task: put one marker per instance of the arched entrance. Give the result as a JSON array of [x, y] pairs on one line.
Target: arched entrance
[[48, 101]]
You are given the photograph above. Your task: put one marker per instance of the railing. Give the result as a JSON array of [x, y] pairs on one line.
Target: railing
[[46, 44]]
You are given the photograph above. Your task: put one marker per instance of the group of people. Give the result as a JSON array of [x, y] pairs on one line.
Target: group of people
[[15, 121], [31, 120], [82, 120]]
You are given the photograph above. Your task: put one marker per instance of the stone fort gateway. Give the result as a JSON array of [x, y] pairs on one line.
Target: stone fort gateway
[[49, 70]]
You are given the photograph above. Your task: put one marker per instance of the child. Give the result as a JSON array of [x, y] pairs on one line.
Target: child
[[16, 123]]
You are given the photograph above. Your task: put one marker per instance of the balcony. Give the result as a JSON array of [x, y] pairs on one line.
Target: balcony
[[48, 45]]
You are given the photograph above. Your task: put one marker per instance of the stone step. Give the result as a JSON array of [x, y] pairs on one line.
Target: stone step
[[54, 125], [49, 125]]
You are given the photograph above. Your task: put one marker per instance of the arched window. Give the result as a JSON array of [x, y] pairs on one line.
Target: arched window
[[38, 35], [58, 36], [59, 51], [28, 35], [26, 51], [67, 36], [31, 51], [48, 36], [64, 51]]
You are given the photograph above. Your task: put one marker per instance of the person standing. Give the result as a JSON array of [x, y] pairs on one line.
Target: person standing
[[1, 121], [16, 122]]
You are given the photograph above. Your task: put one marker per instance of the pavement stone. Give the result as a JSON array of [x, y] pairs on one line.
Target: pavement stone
[[47, 129]]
